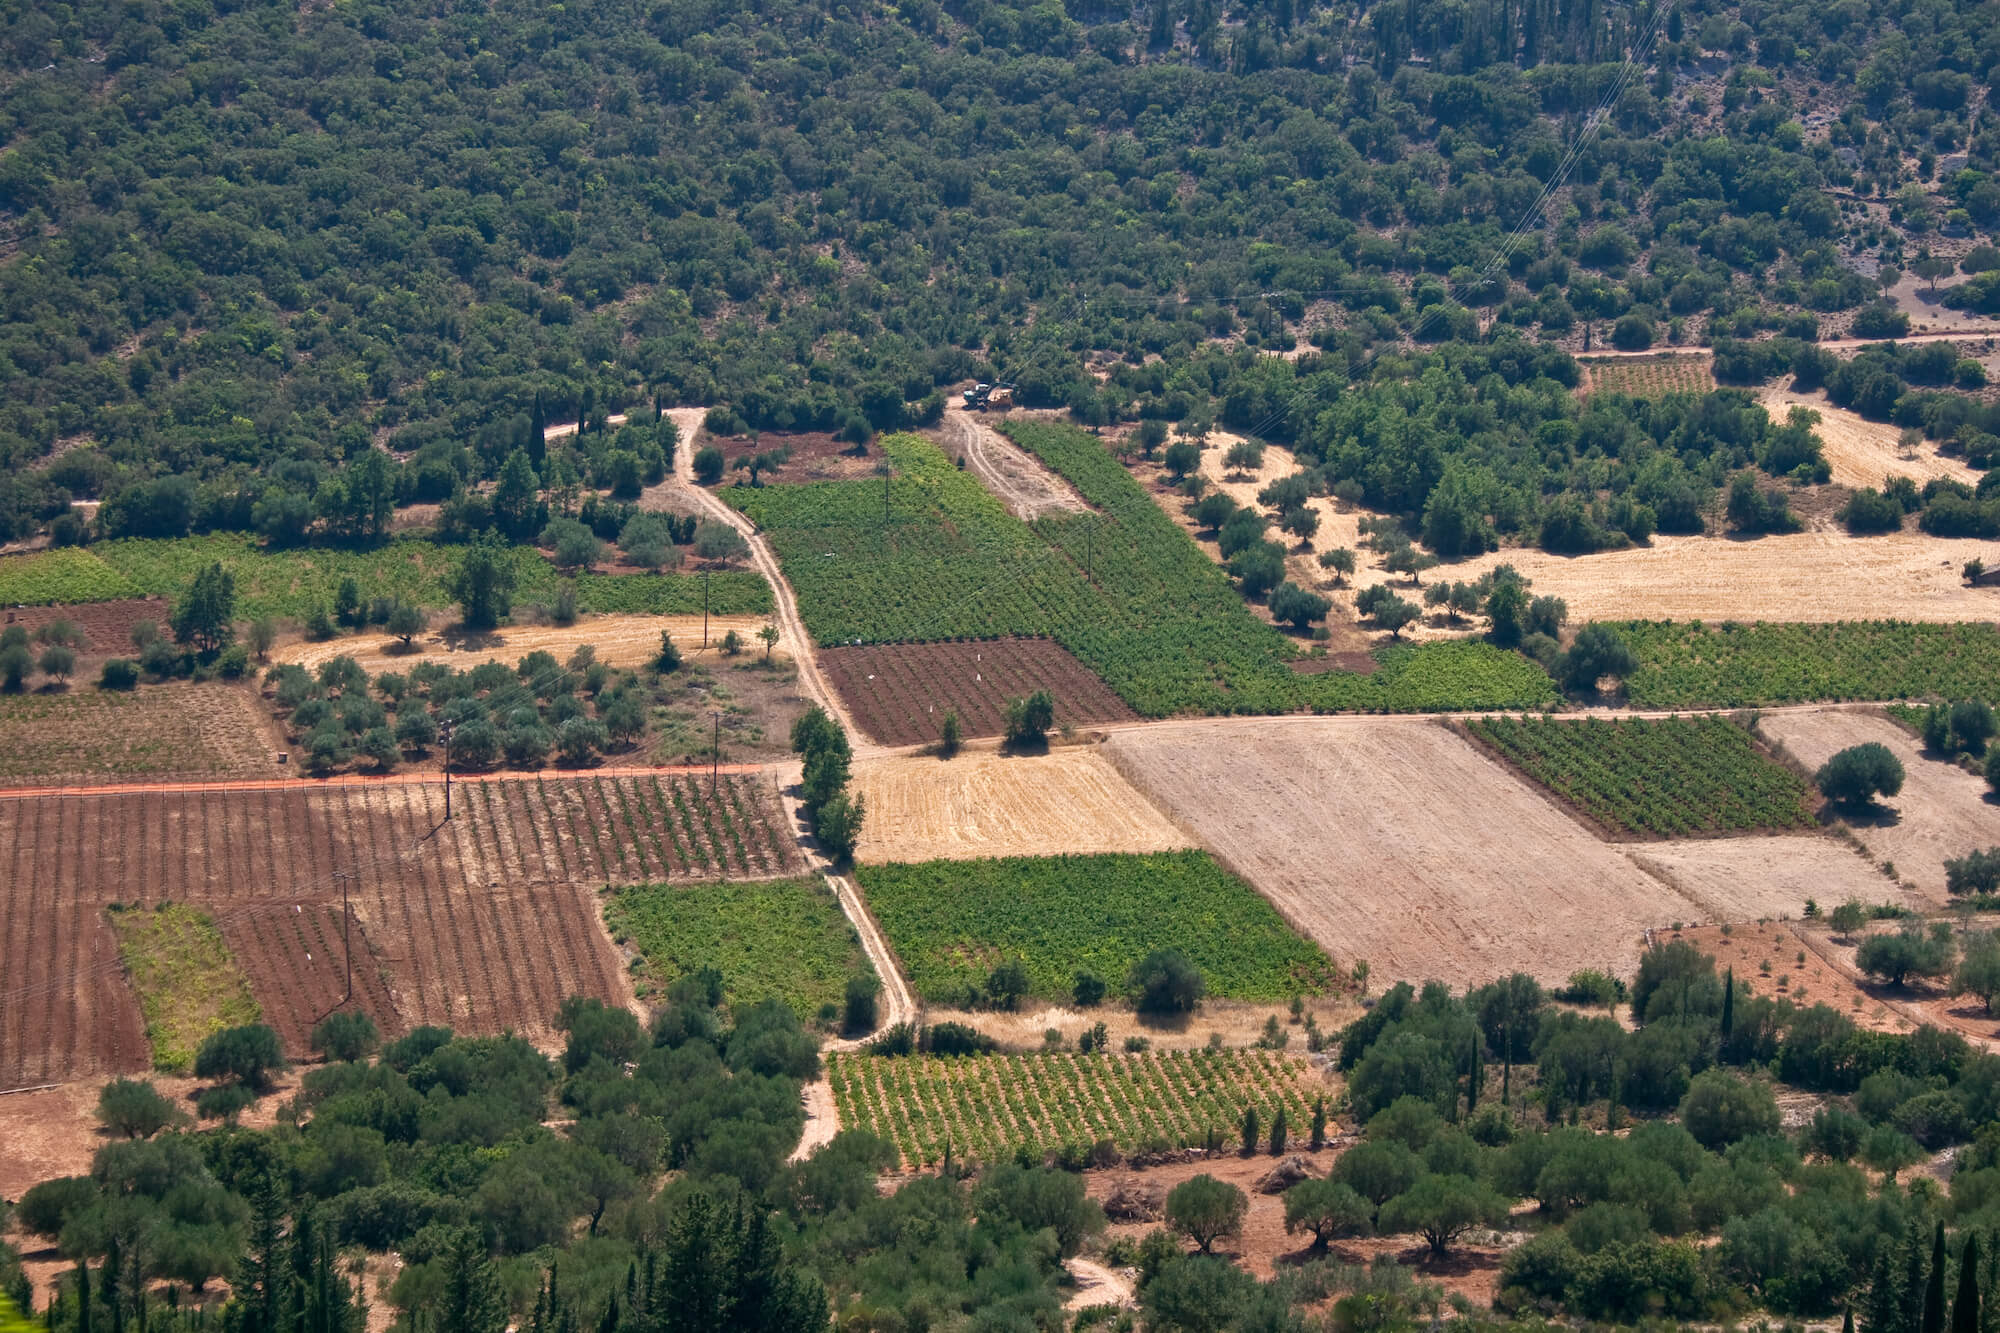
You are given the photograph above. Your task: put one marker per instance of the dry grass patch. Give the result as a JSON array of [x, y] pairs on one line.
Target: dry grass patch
[[180, 731], [1863, 452], [983, 803], [188, 982]]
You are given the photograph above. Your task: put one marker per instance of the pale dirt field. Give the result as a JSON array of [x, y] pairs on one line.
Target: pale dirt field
[[1400, 843], [1941, 813], [1863, 452], [1785, 871], [620, 641], [1238, 1023], [1014, 476], [982, 803]]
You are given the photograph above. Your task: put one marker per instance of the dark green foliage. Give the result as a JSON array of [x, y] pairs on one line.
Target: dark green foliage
[[135, 1108], [1165, 982], [204, 616], [1029, 719], [483, 586], [1913, 951], [347, 1034], [1853, 777], [1598, 652], [1205, 1210], [249, 1055]]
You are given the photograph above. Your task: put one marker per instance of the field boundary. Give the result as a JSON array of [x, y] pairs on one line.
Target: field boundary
[[378, 780]]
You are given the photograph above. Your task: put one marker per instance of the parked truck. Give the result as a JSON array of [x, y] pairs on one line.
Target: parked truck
[[982, 396]]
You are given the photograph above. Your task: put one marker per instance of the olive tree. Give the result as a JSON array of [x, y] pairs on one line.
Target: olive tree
[[1205, 1210]]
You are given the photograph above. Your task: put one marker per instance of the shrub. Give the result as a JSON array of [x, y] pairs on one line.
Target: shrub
[[1166, 982], [708, 465], [1870, 511], [120, 673], [346, 1035], [135, 1108], [1975, 872], [1721, 1108], [1028, 720]]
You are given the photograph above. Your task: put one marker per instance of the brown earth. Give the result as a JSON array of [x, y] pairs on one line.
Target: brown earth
[[983, 803], [1942, 812], [1749, 945], [1236, 1022], [106, 626], [1642, 378], [899, 693], [295, 955], [483, 923], [815, 456], [1397, 842], [178, 730], [1862, 452]]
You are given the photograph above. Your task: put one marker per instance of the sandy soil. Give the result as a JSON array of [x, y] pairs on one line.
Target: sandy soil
[[1239, 1024], [1018, 479], [982, 803], [620, 640], [1942, 812], [1787, 870], [1817, 575], [1400, 843], [1863, 452]]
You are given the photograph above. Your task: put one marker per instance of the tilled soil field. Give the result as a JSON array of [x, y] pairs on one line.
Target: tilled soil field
[[106, 626], [483, 923], [179, 731], [1400, 843], [1942, 813], [899, 693], [297, 965]]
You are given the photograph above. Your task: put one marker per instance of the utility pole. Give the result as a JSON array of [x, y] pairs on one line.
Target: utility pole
[[444, 731], [715, 752]]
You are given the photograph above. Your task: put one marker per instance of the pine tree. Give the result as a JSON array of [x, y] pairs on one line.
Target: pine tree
[[82, 1297], [1882, 1308], [1965, 1310], [472, 1301]]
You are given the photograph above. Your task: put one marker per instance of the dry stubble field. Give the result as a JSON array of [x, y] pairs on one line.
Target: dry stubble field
[[1942, 813], [981, 803], [1400, 843], [1863, 452], [483, 923]]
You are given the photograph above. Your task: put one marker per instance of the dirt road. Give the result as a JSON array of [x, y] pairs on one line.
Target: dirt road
[[1020, 482], [1096, 1285]]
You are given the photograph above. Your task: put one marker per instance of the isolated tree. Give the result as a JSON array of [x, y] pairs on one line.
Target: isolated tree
[[1597, 652], [406, 622], [708, 465], [135, 1108], [1847, 918], [1205, 1210], [1181, 459], [1302, 522], [261, 634], [1296, 606], [1165, 981], [483, 584], [249, 1054], [1327, 1209], [1853, 778], [346, 1035], [1393, 613], [1407, 559], [838, 825], [769, 634], [1914, 951], [16, 664], [57, 662], [1340, 560], [950, 734], [1441, 1208], [719, 541], [1978, 970], [1028, 720], [1721, 1108], [206, 612]]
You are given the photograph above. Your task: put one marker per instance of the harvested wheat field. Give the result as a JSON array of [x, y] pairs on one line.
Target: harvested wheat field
[[1817, 575], [620, 641], [1400, 843], [1783, 872], [981, 803], [1942, 812], [1862, 452]]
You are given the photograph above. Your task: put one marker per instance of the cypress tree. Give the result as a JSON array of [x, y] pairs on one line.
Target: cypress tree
[[1474, 1074], [82, 1297], [1250, 1134], [1933, 1316], [1847, 1320], [1319, 1122], [1278, 1132], [1882, 1311], [1728, 1004], [1965, 1311]]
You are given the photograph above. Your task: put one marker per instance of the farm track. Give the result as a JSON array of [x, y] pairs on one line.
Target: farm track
[[1016, 478], [484, 923]]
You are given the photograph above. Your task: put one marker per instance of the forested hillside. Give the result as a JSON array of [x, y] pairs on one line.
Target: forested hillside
[[240, 233]]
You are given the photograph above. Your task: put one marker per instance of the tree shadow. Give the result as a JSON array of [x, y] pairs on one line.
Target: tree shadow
[[1874, 815]]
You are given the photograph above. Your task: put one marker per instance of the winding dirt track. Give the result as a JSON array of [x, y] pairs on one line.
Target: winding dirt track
[[1020, 482]]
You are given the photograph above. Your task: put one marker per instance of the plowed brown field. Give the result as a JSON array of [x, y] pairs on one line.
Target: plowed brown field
[[297, 964], [483, 923], [899, 693], [1400, 843]]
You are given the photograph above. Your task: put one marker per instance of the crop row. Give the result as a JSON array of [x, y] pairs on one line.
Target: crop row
[[1690, 664], [1663, 778], [952, 922], [987, 1107], [296, 583], [1122, 588]]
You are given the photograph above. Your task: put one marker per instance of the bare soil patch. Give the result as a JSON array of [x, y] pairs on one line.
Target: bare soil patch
[[1942, 813], [1862, 452], [1400, 843], [899, 693], [620, 641], [1237, 1022], [1765, 956], [1786, 871], [1015, 477], [982, 804], [296, 958], [179, 730], [106, 626], [815, 456]]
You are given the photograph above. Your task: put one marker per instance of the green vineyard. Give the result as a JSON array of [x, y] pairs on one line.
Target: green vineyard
[[933, 556], [986, 1107], [1692, 665], [953, 922], [1666, 778]]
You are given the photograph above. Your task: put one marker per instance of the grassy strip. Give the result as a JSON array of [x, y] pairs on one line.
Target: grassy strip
[[782, 938], [1690, 664], [953, 922], [1667, 778], [297, 582], [1123, 588], [188, 982]]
